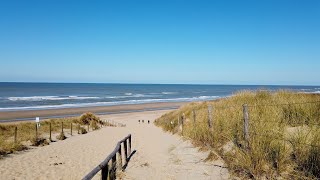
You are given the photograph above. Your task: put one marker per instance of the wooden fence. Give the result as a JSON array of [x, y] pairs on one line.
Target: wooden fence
[[117, 160]]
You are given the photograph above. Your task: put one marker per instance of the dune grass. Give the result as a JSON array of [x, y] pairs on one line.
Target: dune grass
[[284, 133], [26, 131]]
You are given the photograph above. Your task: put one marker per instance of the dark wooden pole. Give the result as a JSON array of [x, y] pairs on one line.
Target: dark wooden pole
[[104, 172], [15, 134], [50, 132], [61, 127], [210, 117], [36, 131], [125, 148], [71, 128]]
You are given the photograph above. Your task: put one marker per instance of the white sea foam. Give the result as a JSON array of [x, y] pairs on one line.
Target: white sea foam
[[49, 98], [132, 95], [141, 101], [169, 92]]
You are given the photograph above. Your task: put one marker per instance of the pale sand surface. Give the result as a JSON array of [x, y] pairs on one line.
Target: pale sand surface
[[159, 155]]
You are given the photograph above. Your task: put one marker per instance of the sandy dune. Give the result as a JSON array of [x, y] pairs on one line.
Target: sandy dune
[[159, 155]]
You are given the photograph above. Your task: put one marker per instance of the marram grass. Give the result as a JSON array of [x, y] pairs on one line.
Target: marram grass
[[284, 133], [26, 131]]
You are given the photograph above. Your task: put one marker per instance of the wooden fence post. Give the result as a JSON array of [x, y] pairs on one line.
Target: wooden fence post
[[125, 148], [36, 131], [50, 132], [210, 117], [182, 122], [61, 127], [15, 134], [246, 123], [78, 128], [105, 172], [71, 128]]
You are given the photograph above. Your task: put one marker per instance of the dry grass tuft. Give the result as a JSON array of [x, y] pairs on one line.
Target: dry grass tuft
[[61, 136]]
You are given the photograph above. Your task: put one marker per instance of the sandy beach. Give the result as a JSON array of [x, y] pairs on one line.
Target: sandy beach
[[9, 116], [159, 155]]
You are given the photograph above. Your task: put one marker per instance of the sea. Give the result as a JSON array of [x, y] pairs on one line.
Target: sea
[[38, 96]]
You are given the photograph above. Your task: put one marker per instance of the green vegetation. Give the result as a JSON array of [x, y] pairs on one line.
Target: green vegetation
[[284, 133]]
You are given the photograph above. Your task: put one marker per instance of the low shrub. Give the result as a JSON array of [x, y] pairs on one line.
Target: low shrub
[[82, 131], [61, 136]]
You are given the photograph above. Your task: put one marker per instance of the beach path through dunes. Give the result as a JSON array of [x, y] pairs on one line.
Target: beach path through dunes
[[162, 155], [159, 155]]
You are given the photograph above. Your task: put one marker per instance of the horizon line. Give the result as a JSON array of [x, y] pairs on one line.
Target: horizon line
[[134, 83]]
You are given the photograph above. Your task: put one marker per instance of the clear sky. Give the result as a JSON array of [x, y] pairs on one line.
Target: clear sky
[[164, 41]]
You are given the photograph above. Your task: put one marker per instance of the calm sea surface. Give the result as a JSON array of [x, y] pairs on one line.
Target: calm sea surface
[[27, 96]]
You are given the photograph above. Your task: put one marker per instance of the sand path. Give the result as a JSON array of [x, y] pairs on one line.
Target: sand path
[[159, 155]]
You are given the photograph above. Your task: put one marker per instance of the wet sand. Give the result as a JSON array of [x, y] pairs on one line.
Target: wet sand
[[11, 116]]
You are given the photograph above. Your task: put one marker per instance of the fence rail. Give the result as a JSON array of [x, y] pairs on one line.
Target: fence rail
[[118, 159]]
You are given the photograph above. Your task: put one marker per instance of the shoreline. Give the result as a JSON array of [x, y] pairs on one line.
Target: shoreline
[[28, 115]]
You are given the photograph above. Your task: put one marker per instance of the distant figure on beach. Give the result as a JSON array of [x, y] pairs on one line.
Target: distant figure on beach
[[148, 122], [139, 121], [142, 121]]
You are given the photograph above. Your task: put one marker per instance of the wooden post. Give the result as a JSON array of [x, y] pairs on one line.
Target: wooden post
[[78, 128], [105, 172], [246, 123], [61, 127], [182, 122], [210, 117], [15, 134], [71, 128], [36, 131], [50, 132], [88, 127], [125, 148]]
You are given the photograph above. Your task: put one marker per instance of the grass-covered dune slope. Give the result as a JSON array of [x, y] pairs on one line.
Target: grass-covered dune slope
[[29, 132], [284, 133]]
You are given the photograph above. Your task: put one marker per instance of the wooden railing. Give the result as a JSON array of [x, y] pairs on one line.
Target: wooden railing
[[117, 160]]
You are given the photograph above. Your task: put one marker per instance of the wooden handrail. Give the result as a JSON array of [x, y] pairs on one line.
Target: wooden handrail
[[107, 171]]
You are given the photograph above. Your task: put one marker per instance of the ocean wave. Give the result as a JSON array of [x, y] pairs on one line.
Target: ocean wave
[[49, 98], [168, 92], [131, 96], [142, 101]]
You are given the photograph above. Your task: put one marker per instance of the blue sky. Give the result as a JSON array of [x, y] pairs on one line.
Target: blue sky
[[165, 41]]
